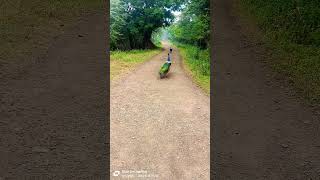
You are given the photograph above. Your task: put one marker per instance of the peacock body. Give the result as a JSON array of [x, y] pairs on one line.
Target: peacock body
[[166, 66], [164, 69]]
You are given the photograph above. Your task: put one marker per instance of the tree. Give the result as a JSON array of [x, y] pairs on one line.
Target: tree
[[117, 22], [194, 24], [132, 29]]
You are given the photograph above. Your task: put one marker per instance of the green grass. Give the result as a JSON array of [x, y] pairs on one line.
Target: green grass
[[124, 61], [197, 63], [29, 25], [291, 30]]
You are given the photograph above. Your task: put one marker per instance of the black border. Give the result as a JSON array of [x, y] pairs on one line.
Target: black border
[[212, 92], [107, 7]]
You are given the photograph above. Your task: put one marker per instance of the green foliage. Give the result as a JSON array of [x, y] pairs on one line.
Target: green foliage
[[157, 36], [197, 61], [194, 24], [118, 18], [124, 61], [191, 34], [133, 21], [136, 55], [292, 31]]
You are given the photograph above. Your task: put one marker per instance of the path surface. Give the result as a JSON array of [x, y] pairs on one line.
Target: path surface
[[260, 131], [53, 114], [159, 127]]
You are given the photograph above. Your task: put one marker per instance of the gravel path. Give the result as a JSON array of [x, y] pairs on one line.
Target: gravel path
[[261, 130], [159, 127]]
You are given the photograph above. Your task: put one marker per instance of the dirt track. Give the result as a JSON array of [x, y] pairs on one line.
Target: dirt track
[[159, 127], [53, 116], [260, 129]]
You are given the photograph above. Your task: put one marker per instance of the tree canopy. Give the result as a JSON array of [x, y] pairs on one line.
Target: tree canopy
[[194, 24], [133, 21]]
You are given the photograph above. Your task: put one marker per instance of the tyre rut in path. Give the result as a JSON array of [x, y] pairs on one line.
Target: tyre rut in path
[[160, 126], [260, 130]]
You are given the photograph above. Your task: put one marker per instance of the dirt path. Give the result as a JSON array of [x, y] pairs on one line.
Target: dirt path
[[260, 130], [159, 127], [52, 116]]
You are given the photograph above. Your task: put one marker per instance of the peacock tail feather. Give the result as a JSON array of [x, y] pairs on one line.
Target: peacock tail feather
[[164, 68]]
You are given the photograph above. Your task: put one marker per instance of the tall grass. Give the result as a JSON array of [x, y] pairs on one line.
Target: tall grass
[[291, 29], [124, 61], [197, 62]]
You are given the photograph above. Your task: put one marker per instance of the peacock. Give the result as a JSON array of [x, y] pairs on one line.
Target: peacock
[[165, 68]]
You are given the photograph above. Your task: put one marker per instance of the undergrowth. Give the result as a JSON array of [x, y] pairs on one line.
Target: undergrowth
[[124, 61], [197, 62], [291, 30]]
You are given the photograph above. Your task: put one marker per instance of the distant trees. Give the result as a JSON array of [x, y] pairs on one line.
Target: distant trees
[[133, 21], [194, 24], [118, 19]]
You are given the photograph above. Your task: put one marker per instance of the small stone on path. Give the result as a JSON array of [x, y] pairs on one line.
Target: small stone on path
[[39, 149]]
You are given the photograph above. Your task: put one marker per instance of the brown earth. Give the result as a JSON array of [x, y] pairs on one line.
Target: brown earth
[[159, 127], [260, 128], [53, 112]]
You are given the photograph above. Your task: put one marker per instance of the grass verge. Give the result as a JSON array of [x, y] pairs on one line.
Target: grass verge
[[291, 32], [29, 25], [197, 64], [124, 61]]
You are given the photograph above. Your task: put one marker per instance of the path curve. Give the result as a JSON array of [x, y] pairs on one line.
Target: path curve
[[159, 127]]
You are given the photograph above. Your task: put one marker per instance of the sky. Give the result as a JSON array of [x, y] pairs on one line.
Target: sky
[[177, 15]]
